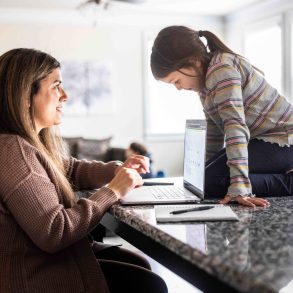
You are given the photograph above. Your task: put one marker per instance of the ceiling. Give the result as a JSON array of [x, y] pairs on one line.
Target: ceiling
[[201, 7]]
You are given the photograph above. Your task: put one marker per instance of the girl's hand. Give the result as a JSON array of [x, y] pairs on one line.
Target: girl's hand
[[246, 201], [124, 181], [137, 162]]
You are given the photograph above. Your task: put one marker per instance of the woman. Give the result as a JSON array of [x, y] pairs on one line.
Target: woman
[[44, 245], [242, 110]]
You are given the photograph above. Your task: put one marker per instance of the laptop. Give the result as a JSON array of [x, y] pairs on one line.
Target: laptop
[[192, 190]]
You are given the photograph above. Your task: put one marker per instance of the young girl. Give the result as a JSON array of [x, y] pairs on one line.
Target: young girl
[[244, 113], [44, 245]]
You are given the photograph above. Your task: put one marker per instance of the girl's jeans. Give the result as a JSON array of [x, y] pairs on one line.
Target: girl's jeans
[[269, 166]]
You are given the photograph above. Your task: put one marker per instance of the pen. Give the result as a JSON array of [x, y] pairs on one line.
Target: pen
[[151, 183], [191, 210]]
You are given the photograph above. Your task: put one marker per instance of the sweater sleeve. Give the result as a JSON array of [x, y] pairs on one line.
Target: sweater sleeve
[[225, 82], [30, 194], [85, 174], [35, 206]]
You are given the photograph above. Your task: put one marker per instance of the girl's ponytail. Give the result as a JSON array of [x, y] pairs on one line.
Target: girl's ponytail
[[214, 43]]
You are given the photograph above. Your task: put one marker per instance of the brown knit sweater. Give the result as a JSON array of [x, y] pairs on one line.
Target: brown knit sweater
[[43, 245]]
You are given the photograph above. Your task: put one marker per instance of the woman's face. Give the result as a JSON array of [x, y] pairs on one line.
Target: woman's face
[[188, 78], [48, 102]]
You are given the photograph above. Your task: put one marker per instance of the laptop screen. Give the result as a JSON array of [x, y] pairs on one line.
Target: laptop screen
[[194, 156]]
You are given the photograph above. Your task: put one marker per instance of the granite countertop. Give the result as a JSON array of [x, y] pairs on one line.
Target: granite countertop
[[252, 255]]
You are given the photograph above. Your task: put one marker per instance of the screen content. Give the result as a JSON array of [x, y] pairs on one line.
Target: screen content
[[194, 157]]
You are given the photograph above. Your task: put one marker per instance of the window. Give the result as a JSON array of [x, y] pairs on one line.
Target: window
[[166, 108], [263, 48]]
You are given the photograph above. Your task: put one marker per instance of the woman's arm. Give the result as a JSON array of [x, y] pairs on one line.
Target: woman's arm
[[85, 174], [36, 207], [30, 193], [93, 174]]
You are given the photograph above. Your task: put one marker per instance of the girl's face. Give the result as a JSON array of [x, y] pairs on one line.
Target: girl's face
[[187, 78], [48, 102]]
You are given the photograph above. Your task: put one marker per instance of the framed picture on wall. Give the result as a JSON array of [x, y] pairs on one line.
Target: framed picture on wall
[[88, 85]]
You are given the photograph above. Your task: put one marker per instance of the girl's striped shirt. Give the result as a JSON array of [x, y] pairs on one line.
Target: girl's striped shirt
[[240, 105]]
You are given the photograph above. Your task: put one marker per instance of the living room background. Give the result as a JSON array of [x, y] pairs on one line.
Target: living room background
[[70, 35]]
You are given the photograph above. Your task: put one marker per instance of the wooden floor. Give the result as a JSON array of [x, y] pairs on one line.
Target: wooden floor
[[175, 284]]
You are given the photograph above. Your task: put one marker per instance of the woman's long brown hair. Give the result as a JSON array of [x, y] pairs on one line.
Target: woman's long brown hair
[[21, 71]]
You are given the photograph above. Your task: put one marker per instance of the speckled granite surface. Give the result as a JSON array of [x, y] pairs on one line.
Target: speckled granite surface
[[252, 255]]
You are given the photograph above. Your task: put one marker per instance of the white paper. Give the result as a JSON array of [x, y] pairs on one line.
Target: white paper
[[218, 213]]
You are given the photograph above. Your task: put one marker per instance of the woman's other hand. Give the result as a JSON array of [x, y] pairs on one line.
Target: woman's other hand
[[246, 201], [137, 162], [124, 181]]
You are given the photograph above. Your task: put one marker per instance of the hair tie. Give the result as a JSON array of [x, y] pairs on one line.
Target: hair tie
[[200, 34]]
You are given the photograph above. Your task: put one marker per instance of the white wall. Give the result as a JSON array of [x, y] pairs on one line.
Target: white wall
[[118, 39]]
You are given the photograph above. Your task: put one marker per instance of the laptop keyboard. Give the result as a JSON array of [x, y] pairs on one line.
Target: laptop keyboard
[[169, 192]]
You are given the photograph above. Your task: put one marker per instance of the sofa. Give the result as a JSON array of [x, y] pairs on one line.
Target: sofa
[[94, 149]]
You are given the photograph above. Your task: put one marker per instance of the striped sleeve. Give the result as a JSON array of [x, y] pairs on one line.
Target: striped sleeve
[[225, 81]]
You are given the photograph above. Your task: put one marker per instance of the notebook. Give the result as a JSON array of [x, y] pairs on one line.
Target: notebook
[[217, 213], [192, 190]]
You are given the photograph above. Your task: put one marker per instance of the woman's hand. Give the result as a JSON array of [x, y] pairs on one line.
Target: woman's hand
[[139, 163], [246, 201], [125, 180]]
